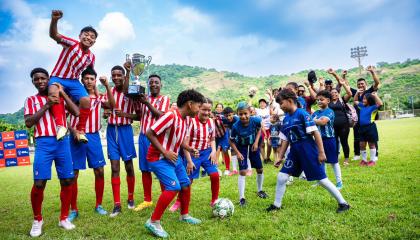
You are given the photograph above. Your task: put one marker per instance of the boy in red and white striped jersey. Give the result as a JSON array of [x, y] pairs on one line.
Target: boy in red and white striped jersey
[[166, 137], [120, 139], [149, 109], [74, 58], [48, 149], [201, 136], [92, 151]]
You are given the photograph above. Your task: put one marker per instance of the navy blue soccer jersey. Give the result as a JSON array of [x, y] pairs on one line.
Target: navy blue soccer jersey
[[297, 126], [327, 131], [230, 124], [275, 133], [302, 102], [242, 135]]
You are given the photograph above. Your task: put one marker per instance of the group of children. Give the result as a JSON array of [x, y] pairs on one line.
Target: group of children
[[174, 143]]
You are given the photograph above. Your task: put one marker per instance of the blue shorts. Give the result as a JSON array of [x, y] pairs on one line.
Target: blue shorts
[[91, 150], [369, 133], [275, 142], [120, 142], [254, 157], [330, 149], [172, 175], [223, 142], [72, 87], [47, 150], [144, 145], [303, 156], [202, 161]]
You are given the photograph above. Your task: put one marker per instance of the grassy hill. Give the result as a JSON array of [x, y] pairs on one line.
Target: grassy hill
[[400, 80]]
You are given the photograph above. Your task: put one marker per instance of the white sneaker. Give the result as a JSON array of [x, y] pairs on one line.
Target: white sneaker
[[66, 224], [36, 229], [226, 173], [356, 158]]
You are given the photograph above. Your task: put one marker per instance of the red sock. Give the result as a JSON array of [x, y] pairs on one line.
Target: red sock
[[59, 112], [65, 196], [37, 196], [131, 181], [99, 190], [74, 190], [164, 200], [215, 185], [83, 117], [226, 157], [146, 178], [115, 181], [162, 187], [185, 196]]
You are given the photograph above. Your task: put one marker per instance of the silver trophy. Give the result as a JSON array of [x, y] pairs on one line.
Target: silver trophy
[[139, 63]]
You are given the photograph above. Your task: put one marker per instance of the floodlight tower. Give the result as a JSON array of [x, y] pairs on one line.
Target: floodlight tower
[[358, 53]]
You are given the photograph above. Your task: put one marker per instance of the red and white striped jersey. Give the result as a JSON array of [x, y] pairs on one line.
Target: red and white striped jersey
[[161, 103], [201, 134], [170, 130], [220, 128], [45, 127], [93, 124], [125, 104], [72, 60]]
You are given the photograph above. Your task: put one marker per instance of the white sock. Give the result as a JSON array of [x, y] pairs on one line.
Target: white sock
[[364, 155], [337, 171], [327, 184], [280, 188], [241, 186], [249, 164], [260, 181], [373, 154], [302, 175], [235, 163]]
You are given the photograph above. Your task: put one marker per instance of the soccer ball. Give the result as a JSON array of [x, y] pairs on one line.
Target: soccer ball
[[223, 208]]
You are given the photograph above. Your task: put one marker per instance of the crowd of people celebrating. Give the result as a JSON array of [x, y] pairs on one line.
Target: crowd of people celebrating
[[177, 140]]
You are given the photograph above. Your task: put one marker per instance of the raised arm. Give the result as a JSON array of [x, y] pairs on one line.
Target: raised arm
[[127, 66], [55, 16], [311, 89], [348, 94], [375, 77], [111, 101], [377, 99], [321, 84]]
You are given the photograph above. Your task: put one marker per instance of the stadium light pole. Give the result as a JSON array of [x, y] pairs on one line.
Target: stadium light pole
[[358, 53]]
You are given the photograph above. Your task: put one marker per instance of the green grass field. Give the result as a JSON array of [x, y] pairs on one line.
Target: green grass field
[[385, 202]]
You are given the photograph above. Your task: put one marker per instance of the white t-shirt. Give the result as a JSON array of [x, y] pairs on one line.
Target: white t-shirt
[[265, 115]]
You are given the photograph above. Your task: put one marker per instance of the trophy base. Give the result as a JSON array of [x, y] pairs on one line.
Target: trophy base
[[134, 91]]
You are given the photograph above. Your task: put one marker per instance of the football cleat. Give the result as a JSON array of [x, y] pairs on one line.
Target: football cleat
[[175, 207], [73, 215], [156, 229], [100, 210], [262, 194], [143, 205], [342, 207], [190, 220], [36, 229], [61, 132], [66, 224], [115, 211]]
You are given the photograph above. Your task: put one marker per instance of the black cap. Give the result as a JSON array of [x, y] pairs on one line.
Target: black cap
[[328, 81]]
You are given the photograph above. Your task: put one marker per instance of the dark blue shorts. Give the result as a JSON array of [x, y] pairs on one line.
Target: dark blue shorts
[[254, 157], [120, 142], [172, 175], [275, 142], [223, 142], [368, 133], [330, 149], [144, 145], [47, 150], [303, 156], [202, 161], [72, 87], [92, 151]]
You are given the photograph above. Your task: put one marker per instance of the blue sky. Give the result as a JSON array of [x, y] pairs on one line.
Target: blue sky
[[254, 38]]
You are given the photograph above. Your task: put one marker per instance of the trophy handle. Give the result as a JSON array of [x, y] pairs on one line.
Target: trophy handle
[[127, 58], [149, 59]]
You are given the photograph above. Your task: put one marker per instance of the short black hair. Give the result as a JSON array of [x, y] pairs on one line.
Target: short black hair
[[301, 86], [227, 110], [328, 81], [220, 104], [189, 95], [89, 29], [156, 76], [262, 100], [39, 70], [324, 93], [294, 84], [118, 67], [208, 100], [361, 79], [286, 94], [89, 71]]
